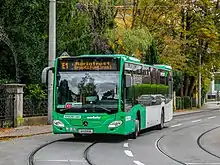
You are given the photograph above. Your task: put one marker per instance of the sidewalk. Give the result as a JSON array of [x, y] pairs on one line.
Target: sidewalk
[[46, 129], [24, 131], [210, 106]]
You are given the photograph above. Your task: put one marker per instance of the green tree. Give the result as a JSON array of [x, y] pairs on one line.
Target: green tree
[[85, 24], [80, 29], [183, 30], [26, 23]]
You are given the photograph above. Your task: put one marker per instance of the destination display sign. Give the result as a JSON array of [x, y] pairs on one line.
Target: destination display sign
[[86, 64]]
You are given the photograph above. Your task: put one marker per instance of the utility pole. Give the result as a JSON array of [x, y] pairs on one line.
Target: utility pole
[[200, 77], [52, 55]]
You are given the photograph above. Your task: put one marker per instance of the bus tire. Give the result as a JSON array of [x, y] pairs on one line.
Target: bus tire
[[77, 135], [135, 134], [161, 125]]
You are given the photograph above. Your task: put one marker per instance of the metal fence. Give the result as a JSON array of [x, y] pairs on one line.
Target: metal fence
[[186, 102], [6, 108], [33, 107]]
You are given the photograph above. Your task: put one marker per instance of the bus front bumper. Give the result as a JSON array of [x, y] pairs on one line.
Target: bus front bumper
[[104, 129]]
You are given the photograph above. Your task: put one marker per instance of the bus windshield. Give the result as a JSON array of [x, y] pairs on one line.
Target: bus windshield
[[95, 90]]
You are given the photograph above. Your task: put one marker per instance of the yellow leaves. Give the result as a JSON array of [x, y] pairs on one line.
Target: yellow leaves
[[111, 44], [204, 33], [139, 54], [120, 42], [172, 55], [124, 19], [127, 41]]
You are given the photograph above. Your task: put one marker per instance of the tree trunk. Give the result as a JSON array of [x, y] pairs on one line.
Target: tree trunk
[[182, 22], [182, 88], [134, 12], [186, 85], [191, 85]]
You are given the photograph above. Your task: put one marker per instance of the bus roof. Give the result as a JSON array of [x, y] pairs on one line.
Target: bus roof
[[125, 57]]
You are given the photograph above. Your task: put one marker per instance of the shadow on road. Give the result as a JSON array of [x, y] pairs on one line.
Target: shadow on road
[[103, 138], [151, 130], [96, 138]]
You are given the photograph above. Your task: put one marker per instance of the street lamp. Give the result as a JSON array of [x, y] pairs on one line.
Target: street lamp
[[52, 55]]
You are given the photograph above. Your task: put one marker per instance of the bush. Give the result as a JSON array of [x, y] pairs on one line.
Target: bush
[[141, 89], [35, 92], [35, 102]]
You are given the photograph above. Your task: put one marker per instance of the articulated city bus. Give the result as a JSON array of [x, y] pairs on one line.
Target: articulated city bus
[[109, 94]]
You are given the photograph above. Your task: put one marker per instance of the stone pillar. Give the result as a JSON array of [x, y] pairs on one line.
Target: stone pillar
[[17, 91]]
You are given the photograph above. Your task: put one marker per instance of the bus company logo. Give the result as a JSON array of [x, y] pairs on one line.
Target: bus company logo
[[85, 123], [93, 117], [72, 116]]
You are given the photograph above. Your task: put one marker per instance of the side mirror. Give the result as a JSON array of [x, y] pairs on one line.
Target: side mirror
[[44, 75], [128, 80]]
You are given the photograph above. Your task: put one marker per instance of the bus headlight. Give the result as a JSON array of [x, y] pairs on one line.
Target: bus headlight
[[115, 124], [58, 123]]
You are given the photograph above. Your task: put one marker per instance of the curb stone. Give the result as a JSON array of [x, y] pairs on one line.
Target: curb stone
[[188, 113], [194, 112], [2, 138], [207, 107]]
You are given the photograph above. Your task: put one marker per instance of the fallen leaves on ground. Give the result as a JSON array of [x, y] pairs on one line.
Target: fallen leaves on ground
[[5, 130]]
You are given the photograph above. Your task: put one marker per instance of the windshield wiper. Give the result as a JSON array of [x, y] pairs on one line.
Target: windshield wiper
[[62, 110], [96, 105]]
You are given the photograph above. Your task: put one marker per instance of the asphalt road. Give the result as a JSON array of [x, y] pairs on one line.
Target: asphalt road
[[189, 139]]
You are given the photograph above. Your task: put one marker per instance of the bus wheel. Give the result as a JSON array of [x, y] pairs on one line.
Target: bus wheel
[[77, 135], [161, 125], [135, 134]]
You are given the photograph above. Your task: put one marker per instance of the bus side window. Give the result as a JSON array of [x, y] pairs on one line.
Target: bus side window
[[153, 76], [158, 77], [153, 81], [138, 81], [127, 90], [163, 78], [146, 75], [170, 85], [145, 99]]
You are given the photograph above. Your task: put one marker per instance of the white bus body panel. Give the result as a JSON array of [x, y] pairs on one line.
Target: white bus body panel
[[168, 110], [153, 114]]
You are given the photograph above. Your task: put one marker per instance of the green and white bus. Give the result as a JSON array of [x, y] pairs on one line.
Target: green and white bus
[[109, 94]]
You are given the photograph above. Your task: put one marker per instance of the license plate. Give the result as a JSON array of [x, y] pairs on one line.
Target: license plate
[[86, 131]]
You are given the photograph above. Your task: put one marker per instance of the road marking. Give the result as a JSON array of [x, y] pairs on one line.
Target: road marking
[[79, 161], [138, 163], [212, 117], [128, 153], [176, 125], [203, 163], [125, 144], [194, 121]]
